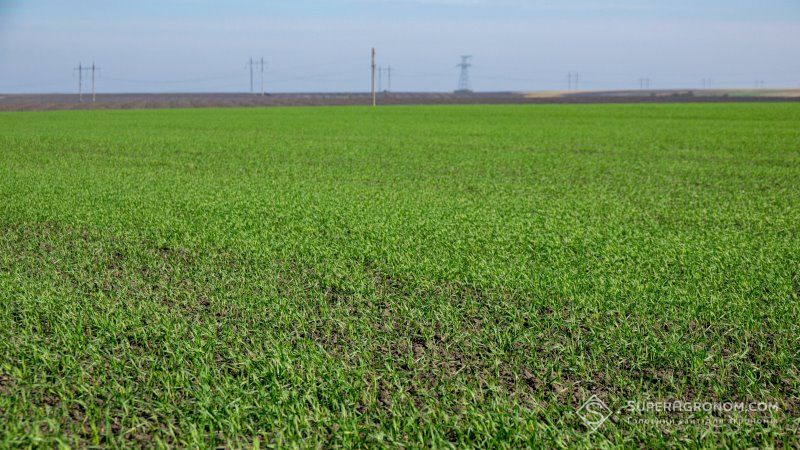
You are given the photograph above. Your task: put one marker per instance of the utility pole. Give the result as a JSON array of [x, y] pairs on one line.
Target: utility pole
[[250, 64], [80, 69], [463, 80], [573, 79], [262, 76], [374, 100], [93, 71], [380, 78], [389, 73]]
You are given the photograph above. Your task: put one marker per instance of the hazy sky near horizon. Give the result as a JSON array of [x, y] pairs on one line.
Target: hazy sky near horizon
[[323, 45]]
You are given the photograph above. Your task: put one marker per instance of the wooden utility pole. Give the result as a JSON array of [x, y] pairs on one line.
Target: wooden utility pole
[[374, 99]]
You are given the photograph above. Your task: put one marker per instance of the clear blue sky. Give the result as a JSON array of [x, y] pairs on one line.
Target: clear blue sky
[[323, 45]]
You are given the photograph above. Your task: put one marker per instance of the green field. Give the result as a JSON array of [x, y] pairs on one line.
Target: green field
[[460, 276]]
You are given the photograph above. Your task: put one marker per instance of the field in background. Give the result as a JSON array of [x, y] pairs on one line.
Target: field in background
[[425, 276], [38, 102], [667, 95]]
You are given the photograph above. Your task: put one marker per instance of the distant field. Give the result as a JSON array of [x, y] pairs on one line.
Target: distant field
[[445, 276], [39, 102]]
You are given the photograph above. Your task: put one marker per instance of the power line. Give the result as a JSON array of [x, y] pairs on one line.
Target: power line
[[186, 80], [320, 77], [543, 79]]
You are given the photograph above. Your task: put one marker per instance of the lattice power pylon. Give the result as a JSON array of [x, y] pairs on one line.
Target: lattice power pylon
[[463, 81]]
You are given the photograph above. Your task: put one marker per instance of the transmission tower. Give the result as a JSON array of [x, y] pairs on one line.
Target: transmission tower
[[463, 81], [250, 64], [94, 69], [389, 74], [573, 80], [81, 69], [374, 99], [262, 64]]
